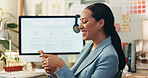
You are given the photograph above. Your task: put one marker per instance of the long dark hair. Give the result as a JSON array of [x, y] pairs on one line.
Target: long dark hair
[[102, 11]]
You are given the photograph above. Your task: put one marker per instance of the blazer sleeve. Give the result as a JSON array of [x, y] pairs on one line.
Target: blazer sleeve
[[64, 72]]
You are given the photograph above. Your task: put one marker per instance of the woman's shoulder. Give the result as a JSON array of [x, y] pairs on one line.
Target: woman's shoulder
[[109, 52]]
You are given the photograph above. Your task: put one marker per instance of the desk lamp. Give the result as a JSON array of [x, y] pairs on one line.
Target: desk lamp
[[4, 34]]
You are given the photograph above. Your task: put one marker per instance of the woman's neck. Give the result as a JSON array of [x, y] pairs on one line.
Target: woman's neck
[[96, 42]]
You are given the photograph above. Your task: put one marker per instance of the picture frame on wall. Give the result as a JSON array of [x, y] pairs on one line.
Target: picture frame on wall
[[56, 7], [92, 1], [39, 7]]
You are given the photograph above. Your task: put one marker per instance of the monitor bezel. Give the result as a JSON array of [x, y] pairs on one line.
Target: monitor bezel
[[20, 51]]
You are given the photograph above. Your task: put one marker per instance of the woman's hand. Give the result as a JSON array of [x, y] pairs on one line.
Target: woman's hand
[[52, 61], [51, 71], [48, 70]]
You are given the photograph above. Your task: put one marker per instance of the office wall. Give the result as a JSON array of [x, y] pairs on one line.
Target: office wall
[[135, 25], [116, 6], [136, 21], [29, 7]]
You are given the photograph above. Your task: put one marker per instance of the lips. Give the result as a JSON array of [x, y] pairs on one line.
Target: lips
[[84, 32]]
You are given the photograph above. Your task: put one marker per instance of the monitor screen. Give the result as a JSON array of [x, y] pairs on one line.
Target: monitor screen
[[52, 34]]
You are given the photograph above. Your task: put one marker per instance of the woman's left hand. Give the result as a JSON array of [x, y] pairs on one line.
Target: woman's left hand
[[51, 71], [52, 61]]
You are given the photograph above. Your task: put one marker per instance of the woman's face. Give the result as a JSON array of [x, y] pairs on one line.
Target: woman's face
[[89, 26]]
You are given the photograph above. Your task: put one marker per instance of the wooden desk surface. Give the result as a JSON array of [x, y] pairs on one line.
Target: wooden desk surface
[[136, 75], [22, 74]]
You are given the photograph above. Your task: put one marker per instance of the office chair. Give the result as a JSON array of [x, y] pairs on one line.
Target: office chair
[[118, 74]]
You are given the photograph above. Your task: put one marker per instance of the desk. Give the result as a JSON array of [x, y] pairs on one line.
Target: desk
[[136, 75], [22, 74]]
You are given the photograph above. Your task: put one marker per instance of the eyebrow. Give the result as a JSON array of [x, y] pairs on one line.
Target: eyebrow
[[84, 18]]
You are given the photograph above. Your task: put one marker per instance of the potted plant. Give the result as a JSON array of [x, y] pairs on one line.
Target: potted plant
[[7, 17], [143, 56], [2, 57]]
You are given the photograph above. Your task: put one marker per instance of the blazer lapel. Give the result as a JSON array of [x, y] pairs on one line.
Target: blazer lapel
[[85, 52], [90, 58]]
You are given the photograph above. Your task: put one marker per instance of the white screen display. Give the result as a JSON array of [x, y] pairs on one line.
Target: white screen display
[[52, 35]]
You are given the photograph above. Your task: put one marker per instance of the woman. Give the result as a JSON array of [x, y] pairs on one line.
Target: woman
[[101, 58]]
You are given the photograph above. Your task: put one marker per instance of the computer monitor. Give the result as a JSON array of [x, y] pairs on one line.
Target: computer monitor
[[52, 34]]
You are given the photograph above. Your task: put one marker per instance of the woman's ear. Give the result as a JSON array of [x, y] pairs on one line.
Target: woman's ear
[[101, 23]]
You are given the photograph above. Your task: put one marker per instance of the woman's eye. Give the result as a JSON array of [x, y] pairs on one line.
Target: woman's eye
[[84, 22]]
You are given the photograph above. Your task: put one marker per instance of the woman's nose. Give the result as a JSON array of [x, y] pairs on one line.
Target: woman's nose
[[81, 26]]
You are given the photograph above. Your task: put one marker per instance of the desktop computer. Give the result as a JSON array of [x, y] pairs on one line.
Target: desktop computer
[[52, 34]]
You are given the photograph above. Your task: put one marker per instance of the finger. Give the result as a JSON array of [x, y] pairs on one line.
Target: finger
[[47, 68], [45, 59], [45, 65], [40, 51], [45, 55], [42, 61], [48, 72]]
